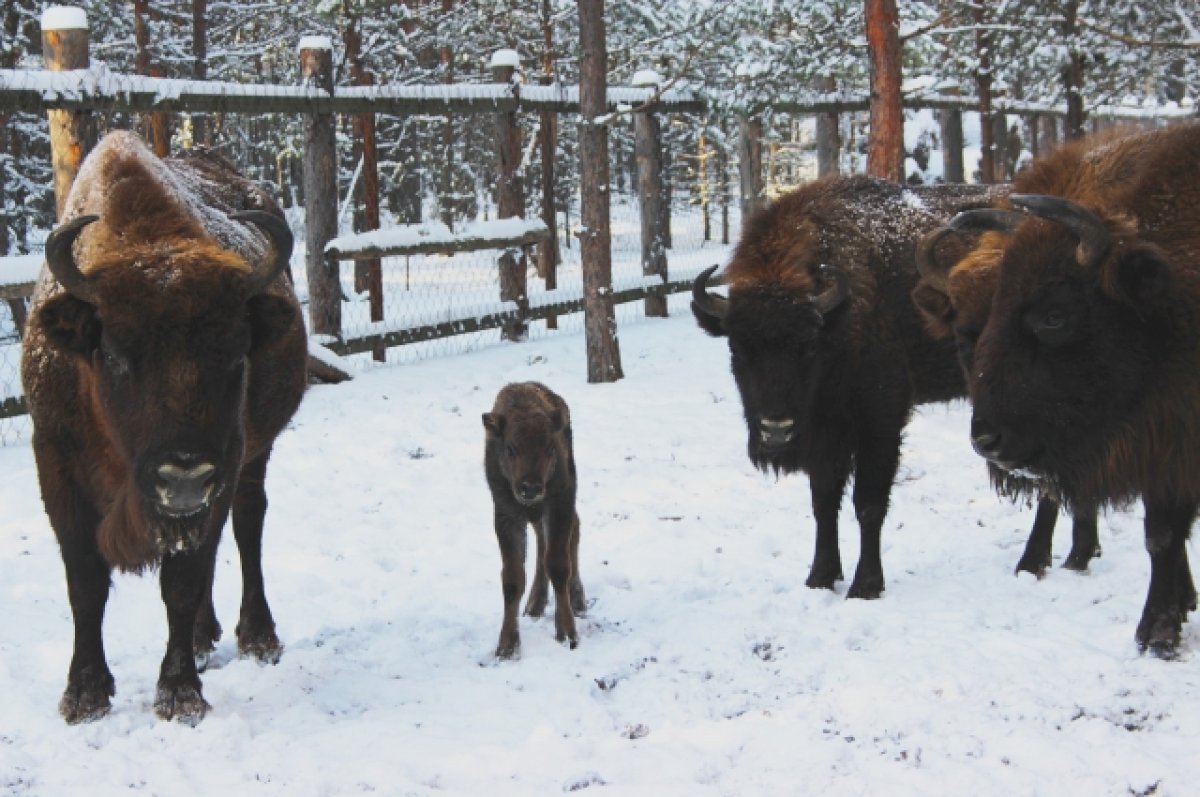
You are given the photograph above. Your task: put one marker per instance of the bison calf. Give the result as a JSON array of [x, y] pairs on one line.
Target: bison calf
[[530, 466]]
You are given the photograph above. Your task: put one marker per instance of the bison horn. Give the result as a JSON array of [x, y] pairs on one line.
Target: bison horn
[[834, 294], [1094, 240], [986, 220], [61, 259], [928, 266], [711, 304], [263, 274]]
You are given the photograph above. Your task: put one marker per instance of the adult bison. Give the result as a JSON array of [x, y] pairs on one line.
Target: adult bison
[[164, 353], [828, 351], [1087, 371]]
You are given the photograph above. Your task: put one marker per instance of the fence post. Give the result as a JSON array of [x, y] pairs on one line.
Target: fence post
[[647, 136], [750, 163], [320, 193], [1047, 133], [510, 197], [952, 137], [72, 133], [829, 142]]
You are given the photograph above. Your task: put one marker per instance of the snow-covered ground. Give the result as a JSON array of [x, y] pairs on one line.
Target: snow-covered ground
[[704, 667]]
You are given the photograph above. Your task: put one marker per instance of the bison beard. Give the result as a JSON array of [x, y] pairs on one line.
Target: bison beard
[[164, 353], [827, 351]]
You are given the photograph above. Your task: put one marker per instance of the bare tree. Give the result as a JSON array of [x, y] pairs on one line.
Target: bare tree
[[600, 322]]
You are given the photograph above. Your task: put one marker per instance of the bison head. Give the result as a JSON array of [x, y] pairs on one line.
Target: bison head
[[163, 333], [1076, 320], [528, 445], [775, 346]]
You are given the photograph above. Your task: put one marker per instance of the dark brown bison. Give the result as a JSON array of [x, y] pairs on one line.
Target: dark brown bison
[[529, 460], [955, 297], [1087, 372], [827, 350], [165, 352]]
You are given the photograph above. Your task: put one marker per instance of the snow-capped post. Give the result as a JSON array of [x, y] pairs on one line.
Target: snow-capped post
[[829, 140], [647, 148], [72, 133], [950, 121], [510, 195], [595, 234], [320, 192], [750, 163]]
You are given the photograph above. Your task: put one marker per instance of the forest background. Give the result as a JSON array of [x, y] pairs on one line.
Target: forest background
[[742, 56]]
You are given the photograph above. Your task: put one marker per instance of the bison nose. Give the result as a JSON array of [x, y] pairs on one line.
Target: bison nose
[[986, 441], [529, 491], [184, 486], [776, 432]]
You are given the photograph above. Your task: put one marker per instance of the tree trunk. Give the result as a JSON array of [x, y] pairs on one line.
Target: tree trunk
[[72, 133], [983, 87], [548, 257], [952, 141], [1072, 73], [510, 204], [320, 200], [750, 164], [154, 124], [201, 130], [648, 151], [829, 142], [600, 322], [885, 145]]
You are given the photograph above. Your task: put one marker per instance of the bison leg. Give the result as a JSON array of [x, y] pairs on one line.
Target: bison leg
[[183, 581], [578, 599], [560, 527], [89, 682], [208, 630], [1167, 527], [510, 533], [1085, 540], [1186, 587], [827, 502], [1036, 557], [256, 627], [539, 590], [873, 477]]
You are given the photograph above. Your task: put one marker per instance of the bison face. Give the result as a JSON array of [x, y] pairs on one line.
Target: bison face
[[166, 337], [527, 447], [775, 345], [1066, 351]]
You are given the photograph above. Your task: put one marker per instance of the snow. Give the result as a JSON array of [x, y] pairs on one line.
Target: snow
[[20, 269], [434, 232], [505, 57], [64, 18], [314, 43], [646, 77], [705, 667]]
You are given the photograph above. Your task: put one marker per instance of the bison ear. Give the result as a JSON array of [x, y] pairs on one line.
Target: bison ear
[[70, 324], [270, 318], [934, 307], [493, 422], [711, 324], [1143, 274]]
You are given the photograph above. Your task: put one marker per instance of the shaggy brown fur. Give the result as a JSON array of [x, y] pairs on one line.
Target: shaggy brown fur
[[163, 362], [529, 461], [1086, 372]]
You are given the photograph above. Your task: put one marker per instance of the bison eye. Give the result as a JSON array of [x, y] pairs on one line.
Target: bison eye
[[115, 364], [511, 450], [1054, 326]]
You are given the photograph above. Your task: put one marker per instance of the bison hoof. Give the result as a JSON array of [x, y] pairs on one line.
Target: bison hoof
[[267, 650], [1080, 560], [85, 704], [868, 589], [823, 577], [535, 606], [1034, 564], [509, 649], [1160, 635], [181, 703]]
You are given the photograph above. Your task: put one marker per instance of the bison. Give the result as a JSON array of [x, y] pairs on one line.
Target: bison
[[529, 461], [827, 350], [955, 299], [165, 352], [1086, 374]]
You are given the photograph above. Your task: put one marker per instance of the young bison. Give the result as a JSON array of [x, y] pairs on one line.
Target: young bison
[[530, 466]]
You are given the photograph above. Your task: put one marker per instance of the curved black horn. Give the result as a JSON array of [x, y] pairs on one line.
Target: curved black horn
[[1094, 240], [61, 260], [710, 303], [834, 294], [928, 266], [987, 220], [264, 273]]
